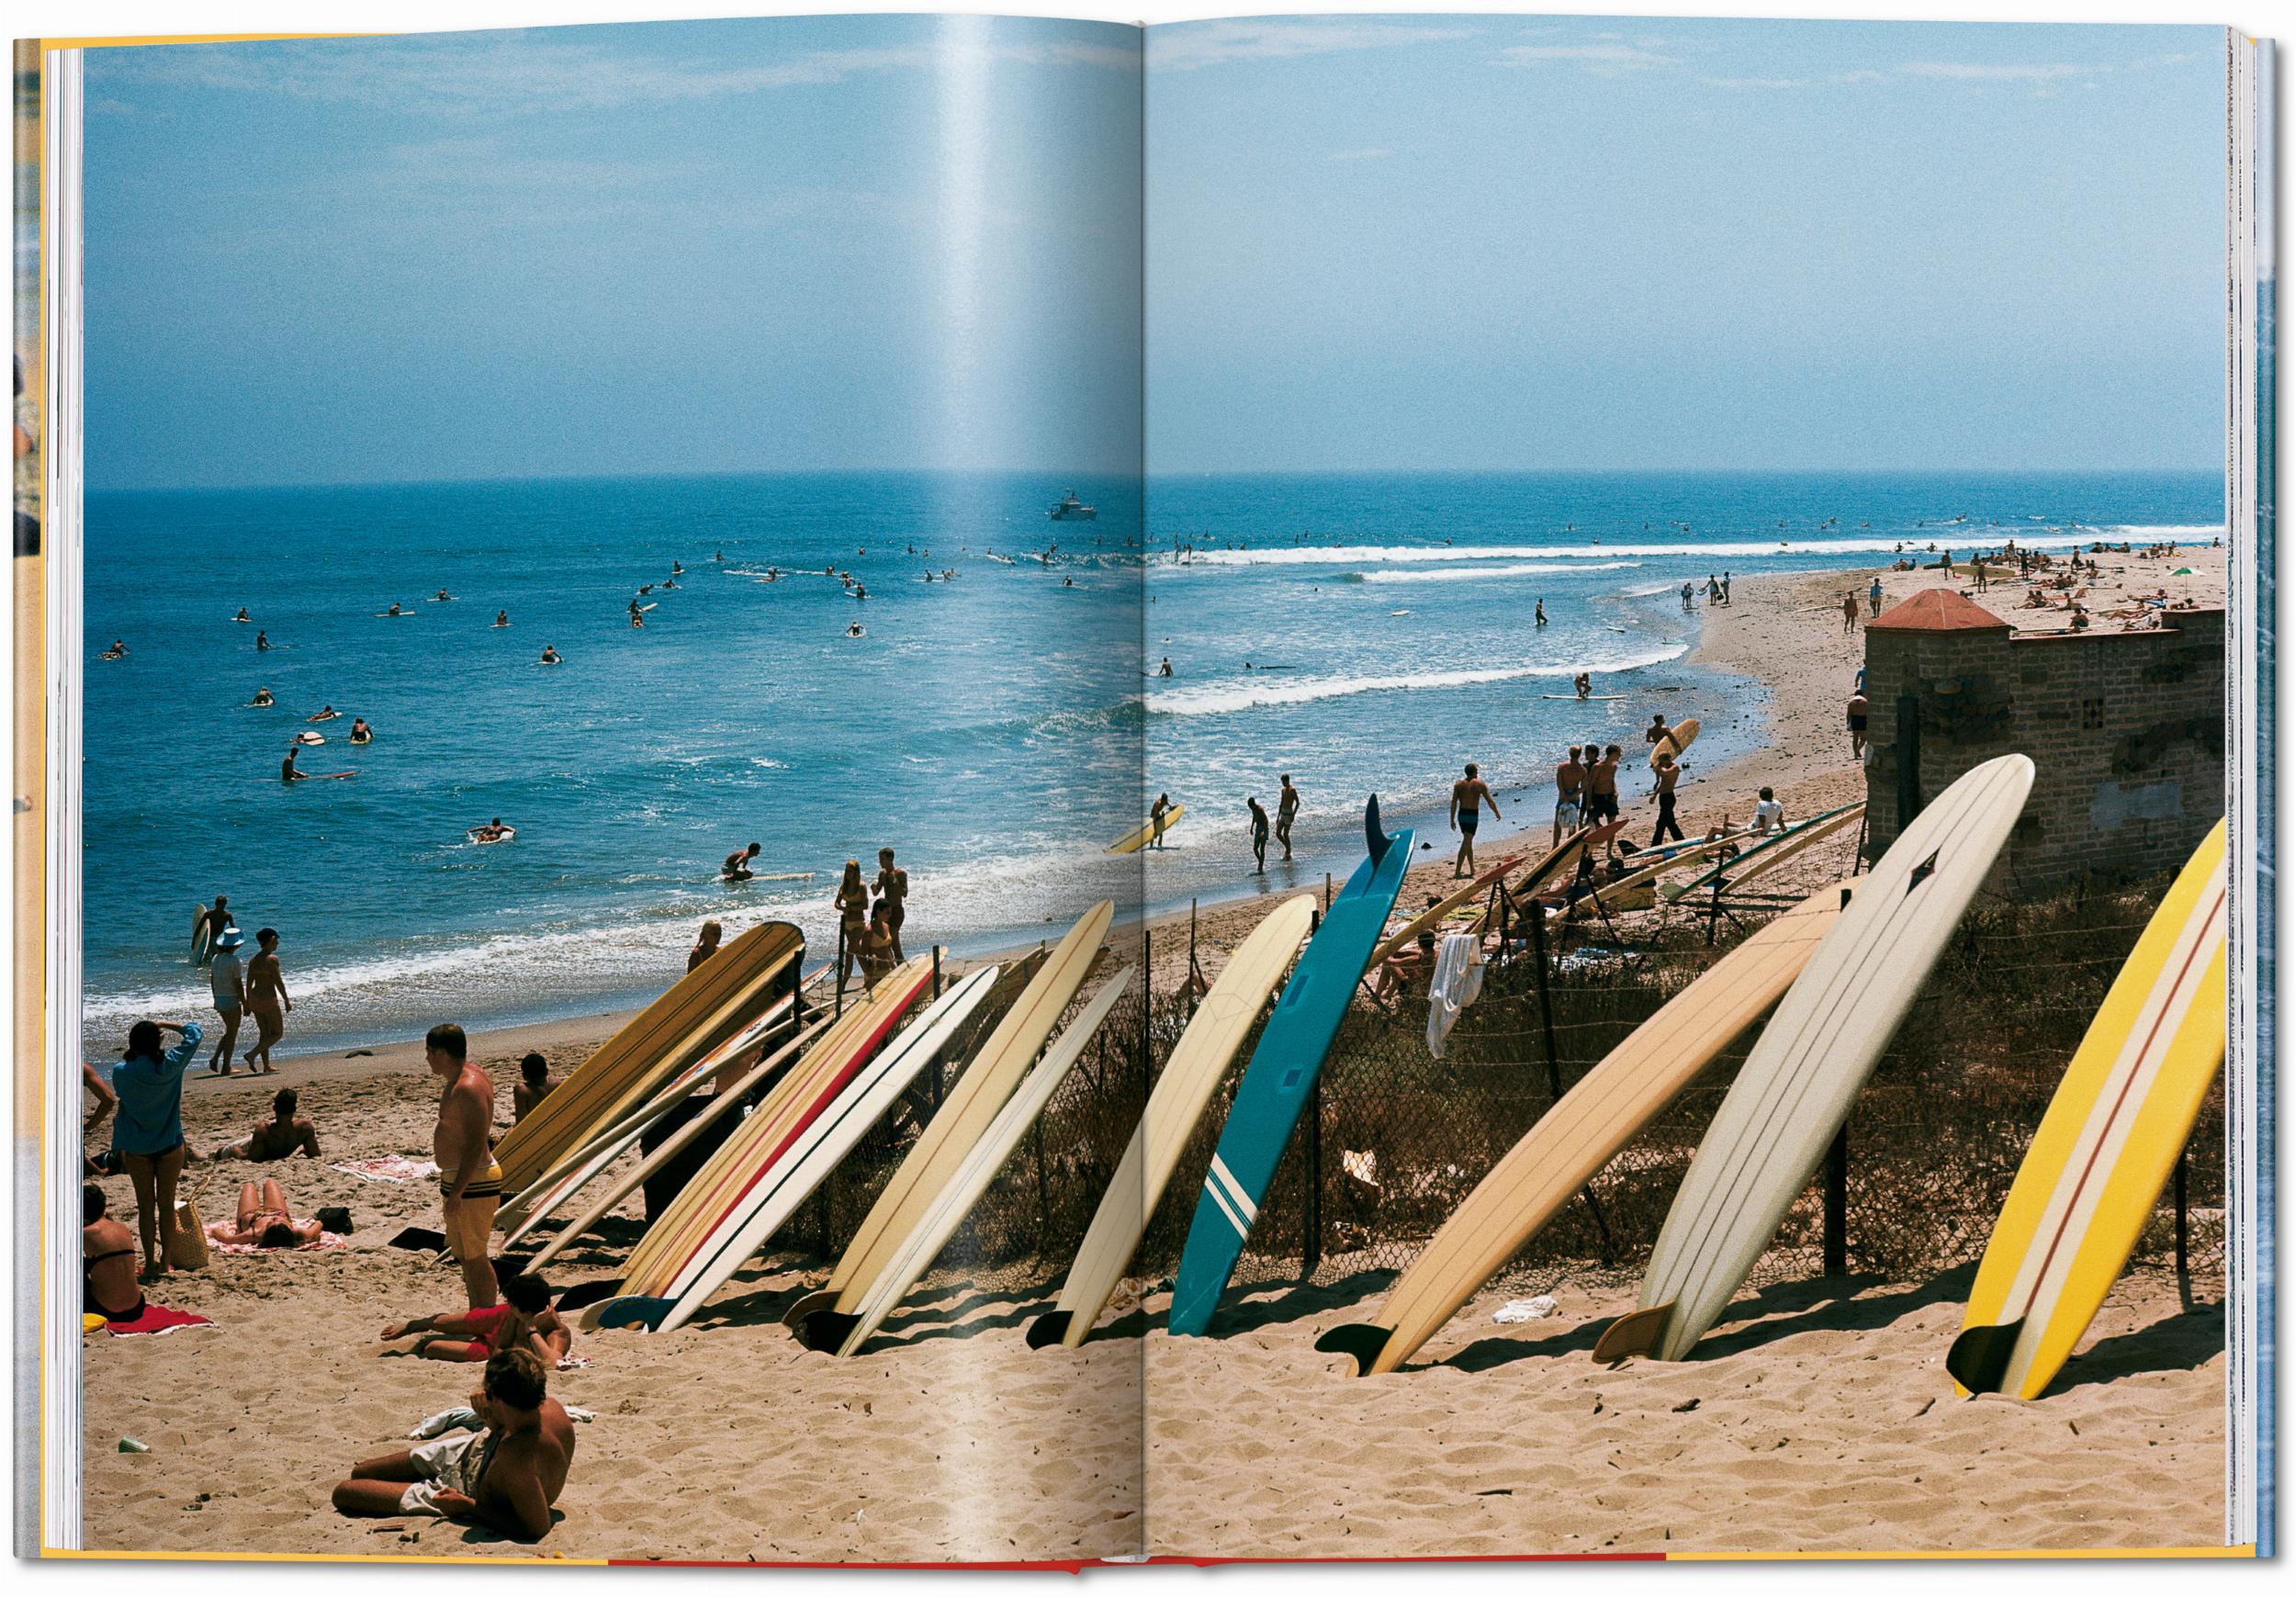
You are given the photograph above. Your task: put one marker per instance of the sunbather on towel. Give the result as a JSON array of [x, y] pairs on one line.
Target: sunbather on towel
[[107, 1261], [524, 1318], [264, 1220], [504, 1476]]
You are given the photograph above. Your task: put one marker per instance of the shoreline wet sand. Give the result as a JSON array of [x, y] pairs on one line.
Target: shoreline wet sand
[[1815, 1422]]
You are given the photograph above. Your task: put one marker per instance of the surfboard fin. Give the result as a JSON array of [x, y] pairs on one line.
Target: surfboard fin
[[1980, 1356], [824, 1330], [1632, 1334], [647, 1311], [1046, 1330], [419, 1240], [1361, 1342], [811, 1303], [1374, 838], [583, 1294]]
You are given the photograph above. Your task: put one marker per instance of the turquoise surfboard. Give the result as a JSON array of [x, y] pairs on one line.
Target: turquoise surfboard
[[1282, 1073]]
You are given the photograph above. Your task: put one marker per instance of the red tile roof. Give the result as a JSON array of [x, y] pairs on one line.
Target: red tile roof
[[1937, 610]]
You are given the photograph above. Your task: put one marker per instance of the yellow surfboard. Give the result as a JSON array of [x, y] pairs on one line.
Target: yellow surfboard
[[1684, 733], [708, 1004], [1134, 842], [2104, 1150], [1189, 1078], [1575, 1139], [963, 1117]]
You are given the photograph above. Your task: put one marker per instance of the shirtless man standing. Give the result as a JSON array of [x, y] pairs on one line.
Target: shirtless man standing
[[1602, 785], [470, 1182], [1467, 793], [1286, 811], [892, 897], [1570, 795], [282, 1136], [504, 1476]]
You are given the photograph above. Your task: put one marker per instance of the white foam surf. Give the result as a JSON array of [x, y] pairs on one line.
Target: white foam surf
[[1228, 697], [1959, 537], [1486, 573]]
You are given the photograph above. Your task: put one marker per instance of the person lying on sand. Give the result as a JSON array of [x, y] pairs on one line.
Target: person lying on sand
[[264, 1220], [504, 1476], [533, 1084], [737, 865], [522, 1320], [107, 1261], [281, 1135]]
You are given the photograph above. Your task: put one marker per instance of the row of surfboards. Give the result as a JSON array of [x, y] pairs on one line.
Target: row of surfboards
[[1842, 967]]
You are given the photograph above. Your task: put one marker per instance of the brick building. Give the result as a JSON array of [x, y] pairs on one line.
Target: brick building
[[2125, 730]]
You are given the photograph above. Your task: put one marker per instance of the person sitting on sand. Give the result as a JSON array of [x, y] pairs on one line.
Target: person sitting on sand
[[524, 1318], [533, 1084], [877, 960], [282, 1134], [1467, 794], [504, 1476], [1769, 814], [360, 731], [549, 656], [264, 1220], [1407, 969], [108, 1269], [737, 865], [326, 713], [148, 1132], [705, 943], [262, 700]]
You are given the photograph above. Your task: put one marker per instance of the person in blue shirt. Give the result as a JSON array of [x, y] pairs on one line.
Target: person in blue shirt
[[148, 1129]]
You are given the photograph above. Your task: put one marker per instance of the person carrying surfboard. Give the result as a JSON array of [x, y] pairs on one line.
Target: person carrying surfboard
[[1669, 773], [1467, 794], [1286, 811], [1157, 813]]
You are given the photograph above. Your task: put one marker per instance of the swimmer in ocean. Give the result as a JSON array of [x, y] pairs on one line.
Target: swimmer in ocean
[[493, 831], [549, 655], [262, 643], [327, 713], [262, 700], [395, 610], [1165, 669], [242, 614], [443, 596], [360, 731], [119, 650], [287, 767], [854, 630], [502, 618]]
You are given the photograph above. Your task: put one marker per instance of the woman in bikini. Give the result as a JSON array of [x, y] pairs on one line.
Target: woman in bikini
[[853, 914], [523, 1319], [264, 1220], [267, 999], [107, 1261]]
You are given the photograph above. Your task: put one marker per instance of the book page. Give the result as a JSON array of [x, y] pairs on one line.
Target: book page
[[1748, 503], [611, 685]]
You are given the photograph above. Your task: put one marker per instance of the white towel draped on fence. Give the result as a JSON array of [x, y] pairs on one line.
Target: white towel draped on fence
[[1457, 982]]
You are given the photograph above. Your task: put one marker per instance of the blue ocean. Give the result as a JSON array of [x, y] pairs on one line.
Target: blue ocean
[[997, 727]]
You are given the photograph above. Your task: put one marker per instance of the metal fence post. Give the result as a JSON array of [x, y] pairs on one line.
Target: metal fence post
[[1837, 1203]]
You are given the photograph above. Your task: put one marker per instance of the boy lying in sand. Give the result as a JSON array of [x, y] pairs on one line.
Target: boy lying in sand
[[504, 1476], [522, 1320]]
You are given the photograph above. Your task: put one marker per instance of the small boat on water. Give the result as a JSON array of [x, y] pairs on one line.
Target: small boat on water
[[1072, 509]]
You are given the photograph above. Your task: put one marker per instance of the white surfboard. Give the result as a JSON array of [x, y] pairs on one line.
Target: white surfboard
[[826, 1330], [1797, 1086]]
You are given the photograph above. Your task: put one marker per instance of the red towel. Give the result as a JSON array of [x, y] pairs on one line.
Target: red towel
[[156, 1321]]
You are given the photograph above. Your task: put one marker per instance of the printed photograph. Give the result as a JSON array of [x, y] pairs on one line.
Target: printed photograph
[[984, 790]]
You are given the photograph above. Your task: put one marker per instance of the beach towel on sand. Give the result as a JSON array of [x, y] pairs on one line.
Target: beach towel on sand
[[1457, 982], [157, 1322], [389, 1167]]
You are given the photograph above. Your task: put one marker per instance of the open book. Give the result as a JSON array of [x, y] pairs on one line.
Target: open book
[[1010, 792]]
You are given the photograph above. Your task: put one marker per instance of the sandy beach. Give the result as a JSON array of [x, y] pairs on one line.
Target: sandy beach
[[1818, 1417]]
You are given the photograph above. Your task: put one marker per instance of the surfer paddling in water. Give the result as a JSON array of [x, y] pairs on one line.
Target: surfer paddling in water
[[1467, 794]]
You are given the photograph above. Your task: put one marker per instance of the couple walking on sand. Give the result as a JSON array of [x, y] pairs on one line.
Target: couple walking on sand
[[258, 988]]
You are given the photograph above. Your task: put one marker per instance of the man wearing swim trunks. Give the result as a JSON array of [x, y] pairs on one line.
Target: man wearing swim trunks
[[1467, 795], [1286, 811], [892, 897], [1857, 721], [1570, 789], [1602, 785], [470, 1182], [504, 1476]]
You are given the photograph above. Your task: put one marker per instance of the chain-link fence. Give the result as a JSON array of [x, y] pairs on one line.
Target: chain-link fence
[[1395, 1140]]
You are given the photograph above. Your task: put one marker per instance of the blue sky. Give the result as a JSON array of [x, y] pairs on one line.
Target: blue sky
[[1553, 243], [1404, 244], [895, 241]]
